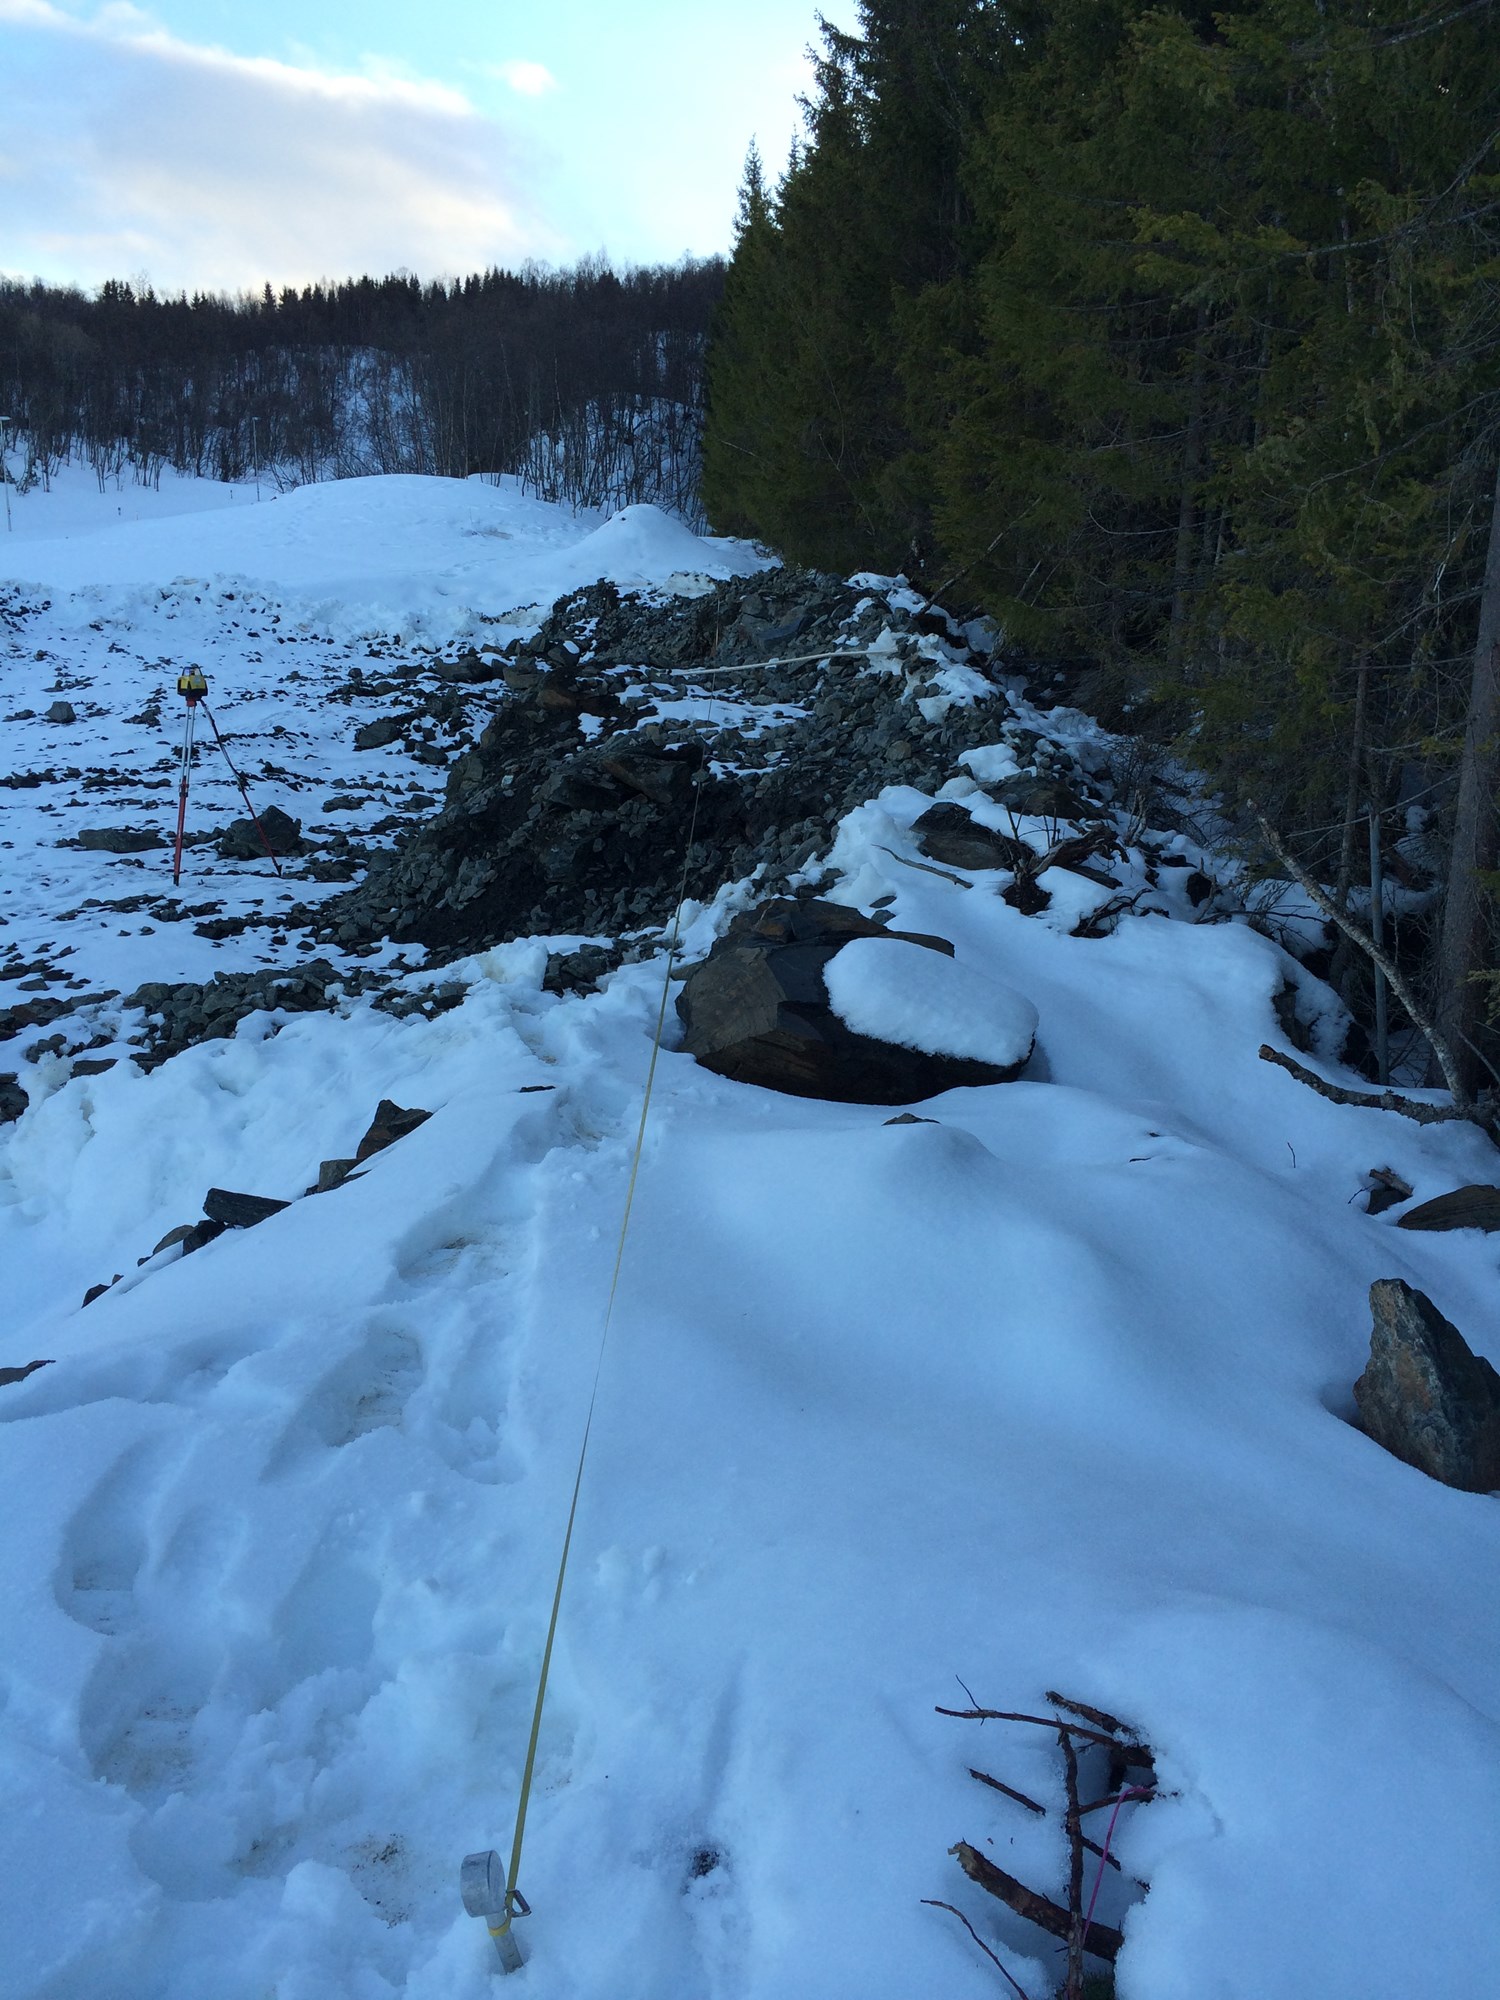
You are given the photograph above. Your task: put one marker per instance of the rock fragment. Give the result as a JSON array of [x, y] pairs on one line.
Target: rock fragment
[[1425, 1395]]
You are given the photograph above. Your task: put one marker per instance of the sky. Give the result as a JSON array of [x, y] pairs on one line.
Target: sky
[[203, 145]]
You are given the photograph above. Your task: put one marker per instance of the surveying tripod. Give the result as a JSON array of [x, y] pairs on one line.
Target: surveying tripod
[[193, 687]]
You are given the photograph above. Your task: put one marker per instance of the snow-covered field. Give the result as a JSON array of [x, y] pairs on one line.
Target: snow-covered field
[[1050, 1392]]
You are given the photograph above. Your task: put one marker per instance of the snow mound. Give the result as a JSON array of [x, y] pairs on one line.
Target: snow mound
[[917, 998]]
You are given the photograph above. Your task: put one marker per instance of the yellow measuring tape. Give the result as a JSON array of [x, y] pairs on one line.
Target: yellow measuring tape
[[502, 1928]]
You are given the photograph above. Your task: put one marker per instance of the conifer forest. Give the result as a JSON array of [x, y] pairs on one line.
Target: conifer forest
[[1169, 336]]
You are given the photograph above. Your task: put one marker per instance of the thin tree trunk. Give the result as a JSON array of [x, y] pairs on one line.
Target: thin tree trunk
[[1192, 453], [1476, 832], [1356, 771]]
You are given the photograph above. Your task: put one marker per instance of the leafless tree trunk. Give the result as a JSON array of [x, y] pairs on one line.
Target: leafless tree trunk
[[1476, 832]]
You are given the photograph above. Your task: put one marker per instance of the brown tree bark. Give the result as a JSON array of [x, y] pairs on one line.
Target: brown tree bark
[[1476, 834]]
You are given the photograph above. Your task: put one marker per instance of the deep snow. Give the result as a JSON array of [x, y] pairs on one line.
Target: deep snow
[[1050, 1392]]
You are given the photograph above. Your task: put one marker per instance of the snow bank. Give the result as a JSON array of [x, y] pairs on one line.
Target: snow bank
[[919, 999]]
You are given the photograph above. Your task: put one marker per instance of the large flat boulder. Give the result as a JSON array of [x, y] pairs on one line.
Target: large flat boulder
[[898, 1022], [1476, 1207], [1426, 1396]]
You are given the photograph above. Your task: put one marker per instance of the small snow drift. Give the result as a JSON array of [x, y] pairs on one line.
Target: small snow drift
[[901, 993], [779, 1002]]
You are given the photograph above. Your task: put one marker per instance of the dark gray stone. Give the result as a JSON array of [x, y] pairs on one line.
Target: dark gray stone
[[240, 840], [390, 1123], [62, 711], [13, 1100], [947, 833], [756, 1010], [1038, 797], [385, 729], [120, 839], [239, 1211], [1426, 1396]]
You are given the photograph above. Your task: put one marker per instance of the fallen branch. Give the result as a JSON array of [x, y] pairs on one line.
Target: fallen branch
[[1042, 1722], [1100, 1717], [1009, 1791], [1376, 1100], [1077, 1927], [1362, 941], [1104, 1941], [933, 1904]]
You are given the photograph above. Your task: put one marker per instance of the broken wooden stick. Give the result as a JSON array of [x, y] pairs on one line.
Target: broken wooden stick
[[1042, 1722], [932, 1903], [1103, 1940]]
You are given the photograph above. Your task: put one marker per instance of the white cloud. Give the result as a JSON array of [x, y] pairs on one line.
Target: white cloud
[[212, 170], [529, 79]]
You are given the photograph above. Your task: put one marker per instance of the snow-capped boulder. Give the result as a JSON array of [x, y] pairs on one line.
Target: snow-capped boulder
[[818, 1000]]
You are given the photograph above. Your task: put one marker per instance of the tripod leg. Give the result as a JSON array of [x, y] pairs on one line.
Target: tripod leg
[[184, 772], [244, 789]]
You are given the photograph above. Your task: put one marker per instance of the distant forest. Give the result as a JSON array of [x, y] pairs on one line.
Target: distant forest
[[1169, 335], [586, 383]]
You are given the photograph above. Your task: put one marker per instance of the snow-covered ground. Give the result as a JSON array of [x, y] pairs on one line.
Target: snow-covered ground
[[1049, 1392]]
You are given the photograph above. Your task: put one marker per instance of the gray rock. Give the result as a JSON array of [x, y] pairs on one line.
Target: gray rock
[[241, 841], [1476, 1207], [385, 729], [62, 711], [13, 1100], [756, 1010], [1038, 797], [120, 839], [239, 1211], [1425, 1396], [390, 1123], [947, 833]]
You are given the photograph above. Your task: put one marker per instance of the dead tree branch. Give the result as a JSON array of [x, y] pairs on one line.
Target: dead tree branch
[[1372, 1100], [1103, 1941], [1362, 941], [932, 1903]]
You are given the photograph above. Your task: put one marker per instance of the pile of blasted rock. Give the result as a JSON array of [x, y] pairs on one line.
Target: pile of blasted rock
[[572, 812]]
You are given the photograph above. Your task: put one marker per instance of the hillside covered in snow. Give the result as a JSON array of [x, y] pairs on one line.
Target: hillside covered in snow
[[1026, 1386]]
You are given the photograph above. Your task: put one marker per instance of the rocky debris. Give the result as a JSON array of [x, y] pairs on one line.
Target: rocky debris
[[120, 839], [332, 1174], [98, 1291], [181, 1015], [1426, 1396], [62, 711], [240, 1211], [571, 812], [10, 1375], [583, 970], [13, 1100], [240, 840], [390, 1123], [384, 729], [1476, 1207], [757, 1010], [39, 1013], [342, 802], [470, 667], [948, 834]]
